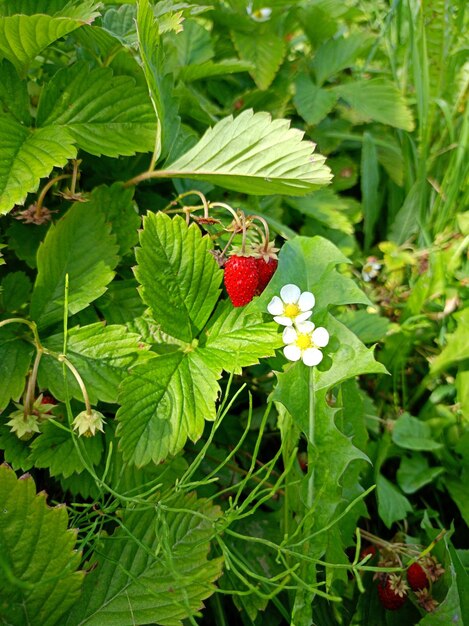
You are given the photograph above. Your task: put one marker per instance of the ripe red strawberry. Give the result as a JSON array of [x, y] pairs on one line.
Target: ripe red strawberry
[[366, 551], [48, 400], [391, 598], [417, 577], [266, 270], [241, 279]]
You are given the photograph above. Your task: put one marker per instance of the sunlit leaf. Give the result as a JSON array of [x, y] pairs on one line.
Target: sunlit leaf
[[253, 154]]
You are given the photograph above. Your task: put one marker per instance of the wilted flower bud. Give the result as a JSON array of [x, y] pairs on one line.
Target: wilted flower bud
[[24, 426]]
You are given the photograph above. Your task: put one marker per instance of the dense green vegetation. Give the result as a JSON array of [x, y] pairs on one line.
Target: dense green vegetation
[[181, 444]]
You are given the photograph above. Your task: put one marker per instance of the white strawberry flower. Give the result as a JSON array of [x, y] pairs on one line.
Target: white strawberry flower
[[304, 342], [371, 269], [293, 306], [259, 15]]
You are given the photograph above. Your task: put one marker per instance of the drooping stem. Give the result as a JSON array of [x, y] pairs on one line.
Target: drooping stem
[[237, 219], [63, 359], [192, 192], [266, 236], [31, 325], [44, 191]]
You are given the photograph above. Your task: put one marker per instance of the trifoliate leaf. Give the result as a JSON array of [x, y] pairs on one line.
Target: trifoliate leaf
[[38, 561]]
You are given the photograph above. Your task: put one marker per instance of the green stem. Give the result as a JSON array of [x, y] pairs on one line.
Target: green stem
[[311, 441], [63, 359], [31, 325]]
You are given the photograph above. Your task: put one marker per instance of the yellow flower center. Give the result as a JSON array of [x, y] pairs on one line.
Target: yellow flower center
[[291, 310], [304, 341]]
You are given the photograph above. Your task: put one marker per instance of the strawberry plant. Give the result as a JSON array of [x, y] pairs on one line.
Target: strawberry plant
[[233, 313]]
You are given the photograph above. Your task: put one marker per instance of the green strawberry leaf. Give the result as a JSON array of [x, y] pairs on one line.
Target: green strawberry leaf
[[337, 54], [15, 360], [23, 37], [237, 337], [15, 451], [80, 245], [208, 69], [27, 156], [103, 113], [164, 402], [253, 154], [101, 354], [312, 102], [179, 277], [15, 291], [116, 203], [14, 97], [378, 99], [38, 561], [264, 51], [310, 263], [159, 82]]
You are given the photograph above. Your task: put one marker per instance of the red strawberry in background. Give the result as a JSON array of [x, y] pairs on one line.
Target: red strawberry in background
[[392, 593], [241, 279], [366, 551], [417, 577], [266, 270], [266, 258]]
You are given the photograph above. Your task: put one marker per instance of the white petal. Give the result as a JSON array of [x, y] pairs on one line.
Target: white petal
[[321, 337], [306, 301], [275, 306], [284, 321], [289, 335], [303, 316], [312, 356], [305, 328], [293, 353], [290, 293]]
